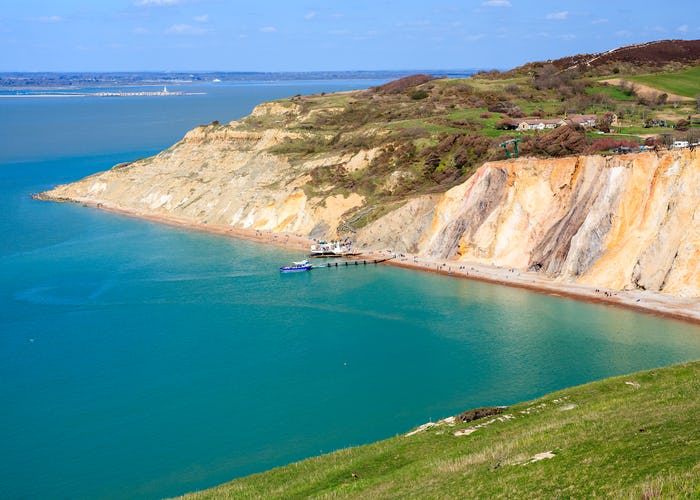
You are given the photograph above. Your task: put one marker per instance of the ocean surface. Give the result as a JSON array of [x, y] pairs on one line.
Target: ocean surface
[[139, 360]]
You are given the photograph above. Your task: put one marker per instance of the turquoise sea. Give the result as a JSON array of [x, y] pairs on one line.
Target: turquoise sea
[[140, 361]]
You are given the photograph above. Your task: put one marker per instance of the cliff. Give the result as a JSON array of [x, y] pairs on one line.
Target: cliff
[[619, 222], [221, 174]]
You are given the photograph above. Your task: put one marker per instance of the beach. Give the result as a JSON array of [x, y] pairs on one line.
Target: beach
[[681, 308]]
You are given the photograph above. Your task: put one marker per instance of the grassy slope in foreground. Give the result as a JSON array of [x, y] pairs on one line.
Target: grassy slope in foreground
[[632, 436]]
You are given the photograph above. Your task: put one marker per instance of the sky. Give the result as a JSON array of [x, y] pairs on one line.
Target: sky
[[323, 35]]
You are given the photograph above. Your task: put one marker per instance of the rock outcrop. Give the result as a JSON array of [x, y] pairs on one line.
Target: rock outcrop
[[620, 222]]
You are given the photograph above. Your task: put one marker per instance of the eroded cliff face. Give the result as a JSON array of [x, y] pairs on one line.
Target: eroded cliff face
[[223, 174], [621, 222]]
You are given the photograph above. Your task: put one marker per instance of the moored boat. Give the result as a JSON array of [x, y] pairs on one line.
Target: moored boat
[[303, 265]]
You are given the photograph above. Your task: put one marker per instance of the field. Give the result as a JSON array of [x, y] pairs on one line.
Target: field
[[636, 436], [685, 83]]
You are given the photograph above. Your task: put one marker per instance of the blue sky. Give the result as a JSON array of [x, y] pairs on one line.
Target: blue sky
[[276, 35]]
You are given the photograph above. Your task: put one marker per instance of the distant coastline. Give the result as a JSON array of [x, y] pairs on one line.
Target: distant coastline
[[101, 94], [12, 81]]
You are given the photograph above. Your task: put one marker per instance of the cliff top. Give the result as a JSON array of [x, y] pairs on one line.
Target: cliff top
[[422, 134]]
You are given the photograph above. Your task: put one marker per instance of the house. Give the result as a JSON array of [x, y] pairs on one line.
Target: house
[[588, 121], [537, 124]]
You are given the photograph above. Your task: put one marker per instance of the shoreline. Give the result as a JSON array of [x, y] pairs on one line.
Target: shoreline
[[657, 304]]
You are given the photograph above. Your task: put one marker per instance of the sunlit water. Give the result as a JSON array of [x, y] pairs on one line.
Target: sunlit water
[[140, 360]]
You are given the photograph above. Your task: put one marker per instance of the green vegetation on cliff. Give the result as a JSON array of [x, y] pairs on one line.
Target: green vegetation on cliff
[[426, 135], [636, 436]]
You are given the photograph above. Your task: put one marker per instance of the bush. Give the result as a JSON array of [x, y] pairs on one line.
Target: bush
[[609, 143], [417, 95], [682, 125], [505, 124]]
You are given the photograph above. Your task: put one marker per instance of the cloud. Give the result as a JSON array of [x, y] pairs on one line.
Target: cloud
[[310, 15], [600, 21], [497, 3], [49, 19], [558, 16], [683, 28], [140, 31], [204, 18], [185, 29], [156, 3], [268, 29]]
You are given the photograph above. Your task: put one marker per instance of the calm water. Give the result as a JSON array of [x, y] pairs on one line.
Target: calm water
[[138, 360]]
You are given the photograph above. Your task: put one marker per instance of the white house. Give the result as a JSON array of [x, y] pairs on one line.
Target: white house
[[537, 124]]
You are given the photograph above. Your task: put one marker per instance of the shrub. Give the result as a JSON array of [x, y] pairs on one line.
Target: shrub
[[682, 125], [609, 143], [417, 95]]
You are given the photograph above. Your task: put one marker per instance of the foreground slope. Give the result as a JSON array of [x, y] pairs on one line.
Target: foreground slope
[[636, 436]]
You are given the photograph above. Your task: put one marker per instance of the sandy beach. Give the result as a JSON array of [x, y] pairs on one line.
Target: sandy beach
[[686, 309]]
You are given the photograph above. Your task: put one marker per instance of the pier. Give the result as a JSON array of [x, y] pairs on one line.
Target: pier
[[353, 262]]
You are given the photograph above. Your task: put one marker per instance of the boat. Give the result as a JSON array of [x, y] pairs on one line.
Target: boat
[[296, 267]]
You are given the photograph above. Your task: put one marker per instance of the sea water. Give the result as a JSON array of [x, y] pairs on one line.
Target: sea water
[[141, 360]]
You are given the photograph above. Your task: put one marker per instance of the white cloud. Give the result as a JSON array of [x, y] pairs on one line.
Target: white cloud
[[600, 21], [156, 3], [310, 15], [683, 28], [140, 31], [474, 38], [497, 3], [268, 29], [49, 19], [558, 16], [204, 18], [185, 29]]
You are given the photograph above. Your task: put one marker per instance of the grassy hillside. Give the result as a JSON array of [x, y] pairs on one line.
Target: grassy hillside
[[636, 436], [427, 135], [685, 83]]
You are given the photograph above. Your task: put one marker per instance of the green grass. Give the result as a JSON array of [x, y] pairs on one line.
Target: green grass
[[636, 436], [612, 92], [685, 83]]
